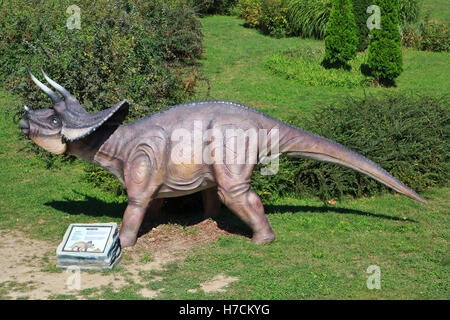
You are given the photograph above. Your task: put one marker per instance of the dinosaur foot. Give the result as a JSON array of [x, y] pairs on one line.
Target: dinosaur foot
[[263, 237]]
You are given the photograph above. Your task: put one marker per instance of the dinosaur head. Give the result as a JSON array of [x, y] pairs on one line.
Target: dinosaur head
[[67, 121]]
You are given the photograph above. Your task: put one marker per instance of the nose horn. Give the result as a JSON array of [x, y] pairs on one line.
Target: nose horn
[[26, 108]]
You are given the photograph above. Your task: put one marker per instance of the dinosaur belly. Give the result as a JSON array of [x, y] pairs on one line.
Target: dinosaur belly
[[172, 192]]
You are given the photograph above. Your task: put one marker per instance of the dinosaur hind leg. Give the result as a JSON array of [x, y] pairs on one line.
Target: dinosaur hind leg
[[248, 207]]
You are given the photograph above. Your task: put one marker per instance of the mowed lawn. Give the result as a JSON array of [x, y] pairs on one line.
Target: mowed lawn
[[321, 252]]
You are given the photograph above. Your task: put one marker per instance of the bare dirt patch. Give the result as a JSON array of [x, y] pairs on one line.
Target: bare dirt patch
[[27, 265], [217, 284]]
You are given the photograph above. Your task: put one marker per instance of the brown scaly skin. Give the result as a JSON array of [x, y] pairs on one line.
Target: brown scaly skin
[[139, 154]]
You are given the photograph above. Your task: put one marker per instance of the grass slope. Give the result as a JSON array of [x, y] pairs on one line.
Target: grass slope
[[235, 63]]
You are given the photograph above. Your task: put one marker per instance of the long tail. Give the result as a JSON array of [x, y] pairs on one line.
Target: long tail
[[299, 143]]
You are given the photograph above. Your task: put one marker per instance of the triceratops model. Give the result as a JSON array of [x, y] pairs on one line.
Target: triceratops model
[[208, 146]]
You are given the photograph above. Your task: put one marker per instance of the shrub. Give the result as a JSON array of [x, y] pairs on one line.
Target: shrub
[[270, 16], [385, 55], [435, 36], [143, 51], [411, 36], [409, 11], [361, 16], [134, 49], [341, 37], [308, 18], [273, 18], [250, 11], [406, 135], [303, 66], [213, 6]]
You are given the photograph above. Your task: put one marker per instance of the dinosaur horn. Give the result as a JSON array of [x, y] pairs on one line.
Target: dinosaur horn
[[26, 108], [66, 94], [44, 88]]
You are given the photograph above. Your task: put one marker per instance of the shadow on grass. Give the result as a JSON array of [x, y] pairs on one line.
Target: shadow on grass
[[271, 209], [90, 206], [191, 215]]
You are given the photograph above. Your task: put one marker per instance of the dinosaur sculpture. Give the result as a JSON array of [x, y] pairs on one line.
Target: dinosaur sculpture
[[145, 154]]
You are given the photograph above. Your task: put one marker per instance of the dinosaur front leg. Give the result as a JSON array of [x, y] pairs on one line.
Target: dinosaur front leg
[[132, 220], [141, 187]]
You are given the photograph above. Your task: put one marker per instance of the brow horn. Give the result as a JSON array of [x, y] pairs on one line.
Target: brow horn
[[26, 108], [66, 94], [44, 88]]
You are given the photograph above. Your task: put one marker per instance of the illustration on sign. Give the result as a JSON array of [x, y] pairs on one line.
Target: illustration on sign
[[87, 239]]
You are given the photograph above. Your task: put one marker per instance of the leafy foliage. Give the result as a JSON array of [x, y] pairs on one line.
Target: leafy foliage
[[409, 11], [250, 11], [213, 6], [385, 55], [360, 12], [406, 135], [308, 18], [270, 16], [134, 49], [273, 18], [341, 37], [435, 36]]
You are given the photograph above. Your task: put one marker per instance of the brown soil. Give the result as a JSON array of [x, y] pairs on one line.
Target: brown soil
[[24, 260]]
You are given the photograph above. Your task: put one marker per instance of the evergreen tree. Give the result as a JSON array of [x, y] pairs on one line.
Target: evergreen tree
[[385, 55], [361, 16], [341, 36]]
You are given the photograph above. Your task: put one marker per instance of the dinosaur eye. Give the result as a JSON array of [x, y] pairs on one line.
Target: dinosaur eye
[[55, 121]]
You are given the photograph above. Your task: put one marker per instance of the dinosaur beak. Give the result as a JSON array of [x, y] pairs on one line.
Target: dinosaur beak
[[24, 126]]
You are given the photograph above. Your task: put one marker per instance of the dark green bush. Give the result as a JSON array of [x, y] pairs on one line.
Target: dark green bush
[[213, 6], [341, 39], [134, 49], [361, 16], [407, 135], [385, 59]]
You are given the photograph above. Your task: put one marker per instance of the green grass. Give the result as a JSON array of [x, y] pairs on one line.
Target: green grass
[[436, 10], [304, 67], [235, 64], [321, 252], [324, 252]]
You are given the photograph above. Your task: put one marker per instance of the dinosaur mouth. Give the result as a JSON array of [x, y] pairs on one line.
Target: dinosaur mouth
[[24, 127]]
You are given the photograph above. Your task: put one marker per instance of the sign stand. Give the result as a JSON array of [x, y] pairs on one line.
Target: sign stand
[[89, 247]]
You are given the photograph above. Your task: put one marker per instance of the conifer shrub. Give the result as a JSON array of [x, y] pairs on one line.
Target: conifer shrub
[[341, 38], [385, 60], [361, 16]]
